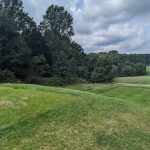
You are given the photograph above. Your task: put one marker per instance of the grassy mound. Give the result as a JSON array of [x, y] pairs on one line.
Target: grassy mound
[[106, 117]]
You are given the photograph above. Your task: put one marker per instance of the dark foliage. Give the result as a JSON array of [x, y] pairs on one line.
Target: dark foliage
[[46, 54]]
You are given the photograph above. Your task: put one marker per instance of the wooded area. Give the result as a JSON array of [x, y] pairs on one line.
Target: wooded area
[[47, 54]]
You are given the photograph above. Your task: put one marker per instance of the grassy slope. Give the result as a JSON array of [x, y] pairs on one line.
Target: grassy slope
[[91, 116]]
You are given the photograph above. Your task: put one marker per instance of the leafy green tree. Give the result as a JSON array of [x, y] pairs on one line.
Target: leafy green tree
[[39, 66], [83, 72], [91, 61], [21, 20], [15, 55], [48, 50], [115, 57], [7, 76], [103, 72], [66, 54], [63, 66], [127, 70], [58, 20], [98, 75], [140, 69]]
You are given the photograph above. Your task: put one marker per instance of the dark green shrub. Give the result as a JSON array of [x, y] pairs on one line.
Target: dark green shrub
[[83, 72], [100, 74], [140, 69], [127, 70], [7, 76], [136, 69]]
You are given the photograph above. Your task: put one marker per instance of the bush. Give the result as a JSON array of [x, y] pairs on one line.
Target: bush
[[127, 70], [83, 72], [7, 76], [136, 69], [101, 74], [115, 71], [140, 69]]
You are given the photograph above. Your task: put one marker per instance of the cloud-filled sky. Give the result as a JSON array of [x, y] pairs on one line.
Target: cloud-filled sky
[[103, 25]]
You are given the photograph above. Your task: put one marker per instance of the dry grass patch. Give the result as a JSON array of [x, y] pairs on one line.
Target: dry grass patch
[[6, 103], [135, 120]]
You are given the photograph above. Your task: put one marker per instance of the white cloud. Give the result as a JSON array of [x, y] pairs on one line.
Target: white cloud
[[104, 25]]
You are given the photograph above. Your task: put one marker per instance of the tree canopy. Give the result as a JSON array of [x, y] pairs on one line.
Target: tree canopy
[[58, 20], [31, 53]]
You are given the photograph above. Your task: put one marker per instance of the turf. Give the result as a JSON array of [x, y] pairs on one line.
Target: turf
[[84, 116]]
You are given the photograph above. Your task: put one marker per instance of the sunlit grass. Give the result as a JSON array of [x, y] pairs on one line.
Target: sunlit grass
[[84, 116]]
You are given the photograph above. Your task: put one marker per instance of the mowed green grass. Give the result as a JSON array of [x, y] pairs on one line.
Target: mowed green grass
[[145, 80], [84, 116]]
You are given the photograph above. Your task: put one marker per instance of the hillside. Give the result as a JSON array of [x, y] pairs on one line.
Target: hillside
[[85, 116], [73, 75]]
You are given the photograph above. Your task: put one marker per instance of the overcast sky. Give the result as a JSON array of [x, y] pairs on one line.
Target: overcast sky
[[103, 25]]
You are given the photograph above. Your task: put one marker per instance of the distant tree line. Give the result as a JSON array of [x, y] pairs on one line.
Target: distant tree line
[[104, 67], [47, 54]]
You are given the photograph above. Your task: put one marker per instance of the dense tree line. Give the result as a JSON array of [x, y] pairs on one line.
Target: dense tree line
[[104, 67], [47, 53]]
